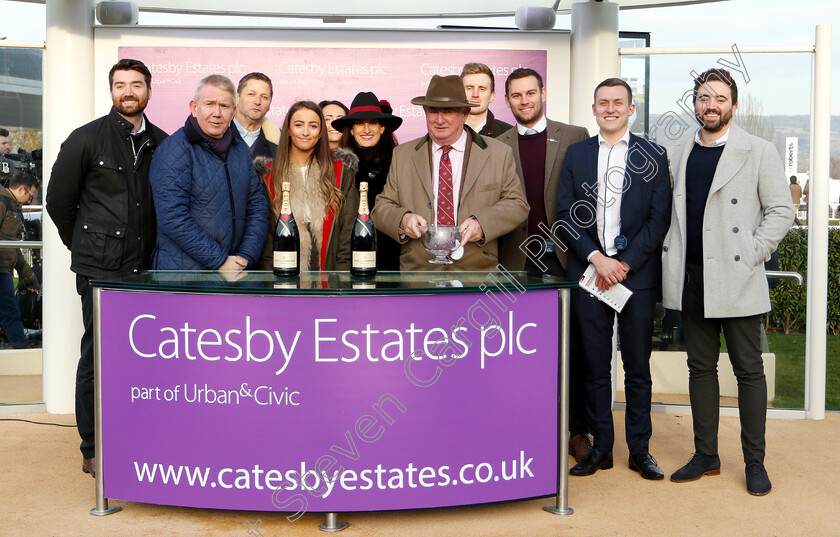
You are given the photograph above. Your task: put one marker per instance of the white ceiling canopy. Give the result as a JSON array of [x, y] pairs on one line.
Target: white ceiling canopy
[[375, 9]]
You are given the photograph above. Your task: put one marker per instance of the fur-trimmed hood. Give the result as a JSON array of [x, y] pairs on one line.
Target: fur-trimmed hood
[[348, 158]]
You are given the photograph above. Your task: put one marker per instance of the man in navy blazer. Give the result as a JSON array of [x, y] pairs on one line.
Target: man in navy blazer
[[253, 101], [614, 202]]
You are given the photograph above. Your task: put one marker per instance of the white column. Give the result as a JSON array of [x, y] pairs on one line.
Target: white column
[[68, 103], [594, 51], [815, 337]]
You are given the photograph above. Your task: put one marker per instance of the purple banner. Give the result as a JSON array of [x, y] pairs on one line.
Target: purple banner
[[322, 73], [329, 403]]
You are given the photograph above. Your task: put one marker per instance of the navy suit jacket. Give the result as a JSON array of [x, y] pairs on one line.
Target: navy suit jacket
[[263, 148], [645, 209]]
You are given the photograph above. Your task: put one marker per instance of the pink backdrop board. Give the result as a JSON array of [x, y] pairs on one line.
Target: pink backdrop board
[[297, 73]]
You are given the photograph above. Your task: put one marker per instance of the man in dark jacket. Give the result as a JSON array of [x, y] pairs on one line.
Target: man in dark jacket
[[22, 189], [253, 100], [100, 200], [480, 86], [212, 214]]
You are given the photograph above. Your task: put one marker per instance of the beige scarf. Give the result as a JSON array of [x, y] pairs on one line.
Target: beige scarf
[[309, 209]]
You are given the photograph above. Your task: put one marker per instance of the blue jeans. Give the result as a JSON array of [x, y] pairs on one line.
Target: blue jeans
[[10, 313]]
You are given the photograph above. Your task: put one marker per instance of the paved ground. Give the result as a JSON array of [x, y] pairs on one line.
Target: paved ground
[[44, 493]]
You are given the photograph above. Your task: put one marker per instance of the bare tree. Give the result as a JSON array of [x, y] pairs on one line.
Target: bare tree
[[28, 139], [750, 117], [834, 168]]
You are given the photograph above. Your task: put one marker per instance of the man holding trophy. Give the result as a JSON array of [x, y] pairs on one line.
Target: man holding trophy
[[453, 186]]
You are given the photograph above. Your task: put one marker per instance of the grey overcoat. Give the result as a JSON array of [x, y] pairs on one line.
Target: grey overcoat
[[748, 212]]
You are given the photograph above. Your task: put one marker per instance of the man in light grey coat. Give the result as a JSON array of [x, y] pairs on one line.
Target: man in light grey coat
[[731, 209]]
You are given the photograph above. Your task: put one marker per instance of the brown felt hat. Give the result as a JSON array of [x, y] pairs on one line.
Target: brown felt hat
[[444, 92]]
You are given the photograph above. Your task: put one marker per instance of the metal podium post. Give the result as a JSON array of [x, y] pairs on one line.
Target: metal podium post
[[561, 507], [101, 508], [332, 524]]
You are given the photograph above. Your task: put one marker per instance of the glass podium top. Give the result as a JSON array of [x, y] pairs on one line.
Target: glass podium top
[[329, 283]]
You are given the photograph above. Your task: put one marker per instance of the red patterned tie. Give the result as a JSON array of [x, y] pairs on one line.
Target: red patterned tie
[[445, 205]]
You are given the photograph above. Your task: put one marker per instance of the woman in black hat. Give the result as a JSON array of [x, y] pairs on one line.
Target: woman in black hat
[[368, 131]]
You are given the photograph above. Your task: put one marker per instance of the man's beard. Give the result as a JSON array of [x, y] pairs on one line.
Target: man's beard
[[536, 114], [722, 123], [131, 108]]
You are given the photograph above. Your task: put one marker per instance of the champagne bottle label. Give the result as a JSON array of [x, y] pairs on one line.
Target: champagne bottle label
[[363, 201], [364, 260], [285, 260], [363, 242]]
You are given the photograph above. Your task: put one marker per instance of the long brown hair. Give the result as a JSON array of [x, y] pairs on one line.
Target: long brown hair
[[333, 197]]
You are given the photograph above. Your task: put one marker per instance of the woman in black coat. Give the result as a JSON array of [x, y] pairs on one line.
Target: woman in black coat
[[368, 131]]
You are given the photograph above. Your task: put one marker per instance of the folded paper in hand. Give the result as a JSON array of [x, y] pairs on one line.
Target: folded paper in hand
[[615, 297]]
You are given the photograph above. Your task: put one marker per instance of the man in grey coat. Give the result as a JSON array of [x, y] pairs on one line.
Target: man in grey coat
[[731, 209]]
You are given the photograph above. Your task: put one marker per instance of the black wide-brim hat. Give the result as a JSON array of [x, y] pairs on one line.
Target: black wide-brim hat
[[444, 92], [367, 106]]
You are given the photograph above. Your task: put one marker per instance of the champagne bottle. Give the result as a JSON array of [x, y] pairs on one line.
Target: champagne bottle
[[286, 240], [363, 242]]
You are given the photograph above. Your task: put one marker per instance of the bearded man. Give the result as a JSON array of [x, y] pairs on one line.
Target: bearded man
[[100, 200]]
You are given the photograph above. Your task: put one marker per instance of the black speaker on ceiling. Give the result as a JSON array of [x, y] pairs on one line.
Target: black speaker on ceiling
[[117, 12]]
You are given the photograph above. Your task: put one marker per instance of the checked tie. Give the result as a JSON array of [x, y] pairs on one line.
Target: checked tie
[[445, 205]]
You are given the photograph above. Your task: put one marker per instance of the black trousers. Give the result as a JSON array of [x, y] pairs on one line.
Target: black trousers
[[635, 328], [578, 419], [85, 409], [743, 342]]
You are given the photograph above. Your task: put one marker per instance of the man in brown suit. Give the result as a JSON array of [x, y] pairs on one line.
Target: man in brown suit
[[451, 176], [540, 144], [539, 147]]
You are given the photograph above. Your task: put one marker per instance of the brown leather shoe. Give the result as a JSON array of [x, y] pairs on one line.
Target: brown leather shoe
[[579, 446], [89, 466]]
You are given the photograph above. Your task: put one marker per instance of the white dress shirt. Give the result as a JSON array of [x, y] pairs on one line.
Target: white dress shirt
[[142, 127], [538, 128], [719, 142], [456, 157], [248, 136], [612, 162]]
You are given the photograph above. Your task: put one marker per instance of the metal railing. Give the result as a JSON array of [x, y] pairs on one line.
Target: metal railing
[[22, 244], [785, 276]]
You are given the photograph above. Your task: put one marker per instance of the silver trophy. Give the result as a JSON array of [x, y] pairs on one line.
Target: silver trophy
[[441, 241]]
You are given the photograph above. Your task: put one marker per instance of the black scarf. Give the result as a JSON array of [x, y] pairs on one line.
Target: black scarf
[[218, 145]]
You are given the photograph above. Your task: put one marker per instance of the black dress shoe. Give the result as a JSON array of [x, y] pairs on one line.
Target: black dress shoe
[[595, 460], [697, 467], [645, 464], [758, 484], [579, 446], [89, 466]]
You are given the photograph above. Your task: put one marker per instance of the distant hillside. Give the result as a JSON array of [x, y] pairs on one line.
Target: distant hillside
[[669, 130]]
